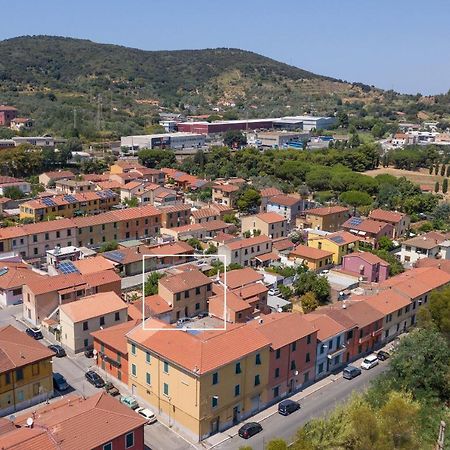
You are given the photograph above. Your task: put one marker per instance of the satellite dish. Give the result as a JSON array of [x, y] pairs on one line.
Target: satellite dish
[[12, 417], [30, 421], [296, 373], [94, 352]]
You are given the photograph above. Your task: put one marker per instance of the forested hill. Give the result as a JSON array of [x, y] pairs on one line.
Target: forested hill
[[48, 77]]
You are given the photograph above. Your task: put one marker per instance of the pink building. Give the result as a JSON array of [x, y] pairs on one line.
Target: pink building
[[367, 265]]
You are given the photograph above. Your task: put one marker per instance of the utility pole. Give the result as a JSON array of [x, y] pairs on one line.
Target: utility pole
[[441, 436]]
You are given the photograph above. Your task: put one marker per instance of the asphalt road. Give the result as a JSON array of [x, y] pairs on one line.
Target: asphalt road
[[313, 406]]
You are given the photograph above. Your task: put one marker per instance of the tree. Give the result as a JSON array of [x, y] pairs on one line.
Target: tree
[[354, 141], [108, 246], [445, 186], [436, 186], [151, 284], [342, 119], [13, 192], [132, 202], [384, 243], [194, 243], [431, 169], [248, 200], [311, 282], [309, 302], [395, 266], [442, 170], [439, 308], [156, 158], [211, 250], [447, 173], [277, 444], [355, 199], [436, 169], [234, 139]]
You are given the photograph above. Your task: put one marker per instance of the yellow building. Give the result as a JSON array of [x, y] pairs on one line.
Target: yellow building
[[311, 257], [203, 382], [339, 244], [25, 371]]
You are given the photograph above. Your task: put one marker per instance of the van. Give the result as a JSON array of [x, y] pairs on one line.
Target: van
[[351, 372], [369, 362], [287, 407]]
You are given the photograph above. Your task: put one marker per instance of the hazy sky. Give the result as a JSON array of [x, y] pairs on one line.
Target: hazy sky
[[394, 44]]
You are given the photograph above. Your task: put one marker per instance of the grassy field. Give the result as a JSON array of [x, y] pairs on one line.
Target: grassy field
[[421, 176]]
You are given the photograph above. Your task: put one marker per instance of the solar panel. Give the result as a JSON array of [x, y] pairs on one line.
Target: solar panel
[[48, 201], [355, 221], [115, 255], [3, 271], [70, 199], [66, 267], [337, 239]]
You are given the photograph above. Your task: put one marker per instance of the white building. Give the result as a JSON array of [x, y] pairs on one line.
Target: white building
[[166, 140], [430, 245]]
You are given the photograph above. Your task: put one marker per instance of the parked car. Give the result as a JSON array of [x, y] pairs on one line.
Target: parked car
[[202, 315], [249, 429], [35, 333], [183, 321], [59, 351], [95, 379], [59, 382], [89, 352], [129, 401], [274, 291], [111, 389], [147, 414], [369, 362], [287, 407], [382, 355], [351, 372]]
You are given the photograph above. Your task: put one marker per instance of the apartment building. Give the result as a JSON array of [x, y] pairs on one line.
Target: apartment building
[[270, 224], [369, 231], [266, 194], [428, 245], [25, 371], [204, 215], [400, 221], [244, 251], [287, 206], [175, 215], [49, 178], [204, 382], [74, 186], [69, 205], [225, 194], [312, 258], [94, 312], [328, 218], [366, 265], [339, 244], [11, 182]]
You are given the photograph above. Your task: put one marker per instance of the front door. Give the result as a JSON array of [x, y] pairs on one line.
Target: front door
[[235, 415], [215, 426], [133, 389]]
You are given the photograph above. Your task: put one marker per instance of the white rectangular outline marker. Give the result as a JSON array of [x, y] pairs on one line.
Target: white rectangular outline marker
[[190, 256]]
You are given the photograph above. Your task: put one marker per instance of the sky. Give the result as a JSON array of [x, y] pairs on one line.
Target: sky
[[393, 44]]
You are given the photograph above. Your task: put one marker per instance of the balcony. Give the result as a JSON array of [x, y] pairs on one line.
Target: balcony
[[337, 352]]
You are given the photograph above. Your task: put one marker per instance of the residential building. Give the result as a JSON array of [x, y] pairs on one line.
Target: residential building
[[327, 218], [215, 227], [11, 182], [98, 422], [204, 382], [74, 186], [112, 349], [428, 245], [49, 178], [331, 343], [400, 221], [21, 123], [287, 206], [367, 265], [244, 251], [69, 205], [25, 371], [369, 231], [270, 224], [175, 215], [266, 194], [340, 243], [204, 215], [230, 307], [7, 114], [313, 258], [43, 297], [94, 312], [183, 232], [225, 194]]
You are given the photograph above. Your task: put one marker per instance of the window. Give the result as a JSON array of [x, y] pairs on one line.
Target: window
[[197, 306], [166, 389], [330, 345], [257, 380], [186, 294], [133, 370], [350, 335], [293, 365], [19, 374], [166, 367], [215, 378], [237, 390], [85, 342], [7, 377], [277, 372], [58, 234], [308, 339], [238, 368], [361, 334], [117, 316], [277, 353], [197, 291], [35, 369], [308, 358], [258, 359], [178, 296], [102, 321], [133, 349], [148, 379], [20, 396], [208, 287], [214, 401], [294, 346], [147, 357], [129, 440], [322, 349], [276, 391], [85, 326], [306, 377], [107, 446], [320, 370], [338, 342]]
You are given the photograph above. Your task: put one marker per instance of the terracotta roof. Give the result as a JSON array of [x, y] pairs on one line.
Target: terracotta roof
[[171, 248], [251, 290], [154, 304], [74, 423], [59, 174], [95, 177], [243, 243], [284, 200], [359, 312], [270, 217], [203, 351], [387, 302], [337, 314], [326, 210], [427, 240], [124, 164], [93, 306], [109, 185], [184, 281], [204, 212], [241, 277], [175, 208], [271, 256], [48, 225], [282, 329], [101, 278], [270, 192], [17, 275], [368, 257], [223, 238], [131, 185], [95, 264], [115, 336], [214, 225], [326, 326], [282, 244], [386, 216], [367, 226], [345, 238], [443, 264], [302, 251], [221, 208], [17, 349], [234, 302], [189, 227], [226, 187]]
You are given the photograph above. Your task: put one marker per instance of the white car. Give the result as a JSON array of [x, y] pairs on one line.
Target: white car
[[274, 291], [147, 414], [369, 362]]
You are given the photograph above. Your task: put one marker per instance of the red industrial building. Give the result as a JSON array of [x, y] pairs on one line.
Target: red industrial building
[[226, 125], [7, 113]]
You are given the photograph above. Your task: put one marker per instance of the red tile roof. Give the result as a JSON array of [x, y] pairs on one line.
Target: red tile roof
[[115, 336], [241, 277], [327, 327], [386, 216], [184, 281], [368, 257], [302, 251], [204, 212], [270, 217], [243, 243], [270, 192], [367, 226], [284, 200], [326, 210]]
